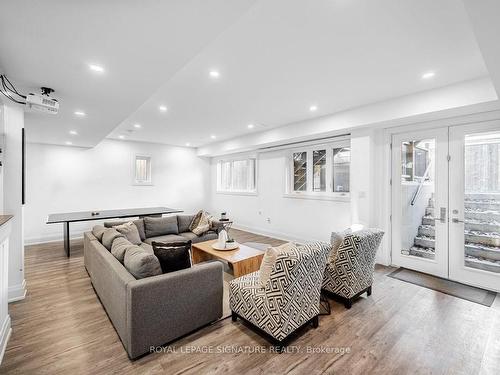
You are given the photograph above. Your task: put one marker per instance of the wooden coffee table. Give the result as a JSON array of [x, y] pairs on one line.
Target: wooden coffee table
[[242, 260]]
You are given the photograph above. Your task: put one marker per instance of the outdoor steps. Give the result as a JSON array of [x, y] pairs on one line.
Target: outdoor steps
[[470, 224], [422, 252], [482, 205], [475, 237], [485, 216], [471, 249], [483, 264]]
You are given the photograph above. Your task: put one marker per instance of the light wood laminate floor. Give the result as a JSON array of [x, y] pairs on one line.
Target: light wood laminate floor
[[61, 328]]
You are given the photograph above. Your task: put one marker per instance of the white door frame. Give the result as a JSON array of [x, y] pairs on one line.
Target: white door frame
[[458, 270]]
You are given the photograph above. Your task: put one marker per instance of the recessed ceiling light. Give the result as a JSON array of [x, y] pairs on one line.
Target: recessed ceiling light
[[80, 113], [121, 136], [96, 68], [250, 126], [313, 108], [69, 143], [162, 108], [428, 75], [213, 136], [73, 132], [188, 144], [214, 74], [137, 126]]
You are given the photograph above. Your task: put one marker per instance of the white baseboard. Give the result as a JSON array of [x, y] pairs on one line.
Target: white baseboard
[[277, 235], [51, 238], [17, 292], [5, 332]]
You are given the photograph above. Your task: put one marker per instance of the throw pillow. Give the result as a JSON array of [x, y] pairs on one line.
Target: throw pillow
[[139, 223], [202, 225], [109, 236], [141, 264], [98, 231], [119, 247], [196, 220], [160, 226], [267, 265], [336, 240], [173, 256], [130, 231], [269, 259]]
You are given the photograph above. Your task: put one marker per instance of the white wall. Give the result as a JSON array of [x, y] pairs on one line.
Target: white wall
[[61, 179], [290, 218], [12, 182]]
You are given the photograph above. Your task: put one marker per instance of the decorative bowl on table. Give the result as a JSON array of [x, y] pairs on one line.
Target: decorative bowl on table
[[230, 245]]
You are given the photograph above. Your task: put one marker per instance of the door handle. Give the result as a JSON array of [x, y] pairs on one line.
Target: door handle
[[455, 220]]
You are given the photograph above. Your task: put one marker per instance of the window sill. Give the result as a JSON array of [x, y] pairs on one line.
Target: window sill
[[142, 184], [338, 198], [244, 193]]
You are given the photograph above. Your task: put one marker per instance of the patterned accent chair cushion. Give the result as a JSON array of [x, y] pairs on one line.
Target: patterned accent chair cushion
[[290, 298], [352, 270]]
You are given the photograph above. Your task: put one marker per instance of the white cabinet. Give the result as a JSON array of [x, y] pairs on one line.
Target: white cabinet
[[4, 281]]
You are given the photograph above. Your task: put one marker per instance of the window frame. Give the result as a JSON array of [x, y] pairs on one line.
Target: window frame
[[149, 159], [231, 160], [329, 194]]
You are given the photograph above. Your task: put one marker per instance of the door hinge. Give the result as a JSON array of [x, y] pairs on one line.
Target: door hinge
[[448, 157], [390, 182], [390, 218]]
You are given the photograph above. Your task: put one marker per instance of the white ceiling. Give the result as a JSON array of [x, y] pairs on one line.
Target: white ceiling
[[275, 58], [141, 45]]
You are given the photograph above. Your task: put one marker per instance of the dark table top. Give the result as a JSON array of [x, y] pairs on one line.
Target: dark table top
[[109, 214]]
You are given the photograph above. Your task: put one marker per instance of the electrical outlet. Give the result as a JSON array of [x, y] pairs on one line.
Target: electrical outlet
[[268, 220]]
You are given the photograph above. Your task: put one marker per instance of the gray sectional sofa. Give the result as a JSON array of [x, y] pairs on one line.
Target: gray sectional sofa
[[155, 310]]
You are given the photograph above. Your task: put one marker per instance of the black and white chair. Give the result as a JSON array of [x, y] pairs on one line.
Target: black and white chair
[[349, 270], [291, 297]]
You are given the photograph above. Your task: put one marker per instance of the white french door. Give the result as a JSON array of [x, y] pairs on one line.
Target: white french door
[[446, 202], [474, 196], [420, 200]]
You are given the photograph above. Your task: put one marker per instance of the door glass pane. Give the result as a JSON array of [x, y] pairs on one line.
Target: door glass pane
[[417, 195], [319, 170], [482, 201], [341, 166], [300, 171]]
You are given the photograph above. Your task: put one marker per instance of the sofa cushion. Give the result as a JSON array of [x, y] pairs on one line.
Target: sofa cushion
[[267, 265], [183, 222], [141, 264], [130, 231], [98, 231], [160, 226], [147, 248], [119, 247], [139, 223], [109, 236], [210, 235], [166, 238], [173, 256]]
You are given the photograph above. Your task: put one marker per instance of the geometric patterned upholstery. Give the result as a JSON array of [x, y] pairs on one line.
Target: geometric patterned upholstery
[[352, 270], [291, 297]]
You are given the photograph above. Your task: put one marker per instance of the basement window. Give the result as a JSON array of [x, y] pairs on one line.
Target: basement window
[[142, 170], [319, 171], [237, 176]]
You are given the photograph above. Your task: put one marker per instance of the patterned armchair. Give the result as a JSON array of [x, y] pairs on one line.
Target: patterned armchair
[[349, 272], [291, 297]]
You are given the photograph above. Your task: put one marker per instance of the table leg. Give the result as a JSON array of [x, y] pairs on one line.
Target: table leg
[[66, 237]]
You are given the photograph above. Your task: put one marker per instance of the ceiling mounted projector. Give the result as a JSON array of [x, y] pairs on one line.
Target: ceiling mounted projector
[[42, 102]]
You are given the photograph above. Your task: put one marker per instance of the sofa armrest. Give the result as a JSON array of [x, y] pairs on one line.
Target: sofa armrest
[[165, 307]]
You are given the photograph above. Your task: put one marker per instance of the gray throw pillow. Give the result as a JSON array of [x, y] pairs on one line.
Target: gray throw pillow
[[119, 247], [98, 231], [129, 230], [141, 264], [336, 240], [109, 236], [139, 223], [183, 222], [160, 226]]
